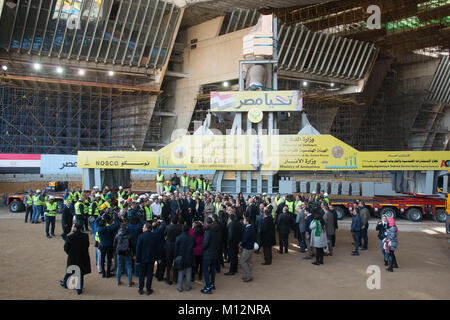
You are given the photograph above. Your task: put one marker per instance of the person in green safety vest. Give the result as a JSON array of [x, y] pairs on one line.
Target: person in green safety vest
[[207, 185], [298, 203], [201, 183], [325, 197], [38, 203], [94, 211], [121, 194], [159, 182], [193, 184], [184, 182], [28, 201], [87, 204], [217, 205], [79, 194], [148, 211], [79, 212], [167, 187], [290, 204], [50, 216], [278, 199]]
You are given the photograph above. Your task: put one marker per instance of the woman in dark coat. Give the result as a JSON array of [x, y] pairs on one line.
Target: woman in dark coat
[[77, 249], [199, 207], [267, 236]]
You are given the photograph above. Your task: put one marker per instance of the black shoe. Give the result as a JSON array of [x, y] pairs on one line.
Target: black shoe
[[49, 237], [229, 273], [61, 283], [79, 291], [265, 264], [389, 269], [395, 266], [103, 275], [386, 263], [53, 234], [302, 251], [354, 253], [213, 287], [169, 282], [307, 258], [315, 263], [141, 292], [150, 292], [206, 291], [363, 249], [280, 252]]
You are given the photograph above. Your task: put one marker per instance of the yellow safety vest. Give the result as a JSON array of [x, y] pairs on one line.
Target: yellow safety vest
[[159, 179], [97, 209], [51, 207], [148, 213], [290, 205], [184, 181], [28, 200], [79, 210], [217, 206]]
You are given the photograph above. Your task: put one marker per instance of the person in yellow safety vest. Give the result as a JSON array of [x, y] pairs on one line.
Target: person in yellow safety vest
[[167, 187], [120, 203], [217, 205], [325, 195], [290, 204], [278, 199], [94, 211], [193, 184], [28, 201], [201, 183], [79, 194], [79, 212], [121, 193], [207, 185], [38, 210], [148, 211], [159, 182], [50, 215], [184, 182], [108, 202], [297, 204]]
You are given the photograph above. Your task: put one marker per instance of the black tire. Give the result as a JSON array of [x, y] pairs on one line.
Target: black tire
[[440, 216], [389, 212], [414, 214], [340, 212], [16, 206]]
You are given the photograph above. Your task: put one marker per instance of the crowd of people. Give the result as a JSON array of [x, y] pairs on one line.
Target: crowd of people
[[193, 232]]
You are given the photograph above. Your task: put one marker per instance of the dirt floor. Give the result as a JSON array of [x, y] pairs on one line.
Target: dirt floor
[[32, 266]]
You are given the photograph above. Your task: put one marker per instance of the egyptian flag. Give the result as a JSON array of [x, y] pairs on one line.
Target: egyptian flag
[[20, 163]]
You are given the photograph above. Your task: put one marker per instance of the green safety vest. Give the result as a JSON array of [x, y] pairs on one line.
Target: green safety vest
[[327, 201], [148, 213], [51, 207], [290, 205], [97, 238], [79, 195], [79, 210], [107, 204], [201, 184], [97, 209], [37, 201], [277, 201], [193, 184], [28, 200], [273, 212], [166, 188], [217, 205], [208, 186], [184, 181], [131, 196], [121, 194], [120, 205], [86, 207], [159, 179]]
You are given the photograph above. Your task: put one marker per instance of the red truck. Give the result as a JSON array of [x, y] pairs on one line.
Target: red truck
[[414, 207], [15, 201]]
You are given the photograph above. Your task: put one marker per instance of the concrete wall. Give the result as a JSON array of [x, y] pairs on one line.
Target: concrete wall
[[215, 59]]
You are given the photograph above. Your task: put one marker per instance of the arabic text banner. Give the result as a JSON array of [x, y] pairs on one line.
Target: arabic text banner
[[59, 164], [244, 101], [269, 153]]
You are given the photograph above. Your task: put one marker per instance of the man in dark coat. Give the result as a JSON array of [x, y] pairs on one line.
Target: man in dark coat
[[234, 235], [355, 229], [66, 219], [172, 232], [210, 249], [77, 249], [146, 254], [159, 227], [184, 247], [267, 236], [252, 211], [335, 219], [284, 225]]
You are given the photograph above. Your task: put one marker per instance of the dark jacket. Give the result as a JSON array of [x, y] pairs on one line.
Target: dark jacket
[[234, 233], [267, 235], [165, 212], [308, 221], [258, 222], [356, 223], [77, 249], [172, 232], [106, 233], [381, 228], [335, 218], [67, 217], [252, 212], [248, 237], [124, 233], [198, 214], [184, 246], [284, 223], [211, 242], [160, 232], [148, 247]]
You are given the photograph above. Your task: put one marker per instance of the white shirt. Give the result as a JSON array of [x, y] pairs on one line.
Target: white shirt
[[156, 209]]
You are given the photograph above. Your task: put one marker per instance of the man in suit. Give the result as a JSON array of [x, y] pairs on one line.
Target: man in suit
[[210, 248], [252, 211], [308, 220], [247, 245], [234, 235], [284, 225], [146, 253], [300, 221], [267, 236], [172, 232], [77, 249]]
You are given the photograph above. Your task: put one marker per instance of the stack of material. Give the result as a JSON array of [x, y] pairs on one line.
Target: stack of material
[[356, 189], [259, 42], [335, 188], [345, 188], [304, 186]]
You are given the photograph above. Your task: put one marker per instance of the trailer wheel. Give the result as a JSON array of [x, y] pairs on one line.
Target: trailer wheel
[[389, 212], [340, 212], [16, 206], [414, 214], [440, 216]]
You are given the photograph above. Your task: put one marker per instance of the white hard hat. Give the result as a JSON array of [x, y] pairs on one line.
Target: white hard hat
[[159, 197], [97, 195], [167, 193], [313, 192], [51, 197], [325, 194], [38, 191], [94, 187], [120, 188]]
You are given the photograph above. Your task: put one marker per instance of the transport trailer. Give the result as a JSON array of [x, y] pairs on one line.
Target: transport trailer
[[413, 207], [15, 201]]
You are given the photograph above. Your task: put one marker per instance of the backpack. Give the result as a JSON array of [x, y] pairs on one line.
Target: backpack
[[123, 246]]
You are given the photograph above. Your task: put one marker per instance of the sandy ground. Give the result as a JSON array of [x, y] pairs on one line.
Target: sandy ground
[[32, 265]]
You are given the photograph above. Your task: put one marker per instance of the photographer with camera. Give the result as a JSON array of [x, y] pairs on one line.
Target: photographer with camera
[[107, 224]]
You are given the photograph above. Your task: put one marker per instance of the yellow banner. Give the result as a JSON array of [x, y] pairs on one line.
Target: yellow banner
[[268, 153], [244, 101]]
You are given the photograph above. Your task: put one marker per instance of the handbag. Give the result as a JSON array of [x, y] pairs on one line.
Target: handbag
[[178, 263]]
